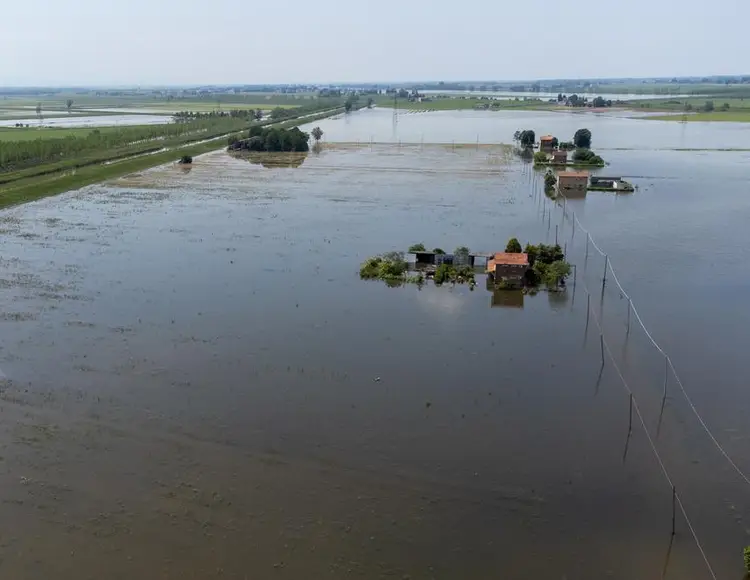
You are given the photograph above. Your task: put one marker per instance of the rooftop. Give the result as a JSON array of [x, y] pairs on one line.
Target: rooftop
[[573, 174], [546, 138], [508, 259]]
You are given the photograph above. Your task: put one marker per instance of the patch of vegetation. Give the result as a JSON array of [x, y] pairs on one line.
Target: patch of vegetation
[[566, 145], [186, 160], [540, 157], [273, 139], [439, 251], [550, 181], [587, 157], [417, 248], [548, 266], [317, 134], [387, 267], [456, 274], [746, 555]]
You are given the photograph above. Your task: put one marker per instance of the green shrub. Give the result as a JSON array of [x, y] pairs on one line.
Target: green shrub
[[417, 248], [746, 554], [186, 160], [540, 157], [439, 251]]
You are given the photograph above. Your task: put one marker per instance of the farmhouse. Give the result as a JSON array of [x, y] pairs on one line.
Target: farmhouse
[[572, 183], [508, 268], [547, 144]]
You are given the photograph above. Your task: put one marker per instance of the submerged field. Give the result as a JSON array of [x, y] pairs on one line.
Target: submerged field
[[198, 384]]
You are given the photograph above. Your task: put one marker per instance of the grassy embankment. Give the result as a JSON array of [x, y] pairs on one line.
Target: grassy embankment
[[460, 103], [31, 133], [735, 108], [50, 179]]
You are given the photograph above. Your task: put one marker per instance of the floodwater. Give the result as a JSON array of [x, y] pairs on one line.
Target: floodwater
[[507, 95], [95, 121], [198, 385]]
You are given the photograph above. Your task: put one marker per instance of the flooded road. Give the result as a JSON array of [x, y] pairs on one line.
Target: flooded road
[[198, 384]]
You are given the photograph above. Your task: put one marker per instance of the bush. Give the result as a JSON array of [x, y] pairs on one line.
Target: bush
[[587, 156], [417, 248], [540, 157], [186, 160], [746, 554], [439, 251], [550, 181]]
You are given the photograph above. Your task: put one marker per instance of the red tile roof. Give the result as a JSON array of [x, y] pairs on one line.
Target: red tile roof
[[506, 259], [546, 138]]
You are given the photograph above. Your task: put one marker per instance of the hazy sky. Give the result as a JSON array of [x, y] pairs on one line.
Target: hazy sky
[[148, 42]]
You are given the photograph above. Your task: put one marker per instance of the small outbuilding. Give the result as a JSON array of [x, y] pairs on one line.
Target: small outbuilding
[[559, 157]]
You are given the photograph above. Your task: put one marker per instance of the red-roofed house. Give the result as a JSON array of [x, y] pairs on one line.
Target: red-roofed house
[[547, 144], [508, 268]]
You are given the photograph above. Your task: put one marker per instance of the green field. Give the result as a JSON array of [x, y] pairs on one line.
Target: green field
[[455, 104], [715, 116], [30, 133]]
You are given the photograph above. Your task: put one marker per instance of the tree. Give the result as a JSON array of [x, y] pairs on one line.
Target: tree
[[725, 107], [348, 106], [540, 157], [513, 246], [39, 112], [370, 102], [186, 160], [258, 114], [555, 142], [599, 102], [556, 272], [69, 104], [587, 156], [708, 107], [582, 138], [549, 180], [317, 133], [461, 251], [416, 248], [527, 138], [439, 251]]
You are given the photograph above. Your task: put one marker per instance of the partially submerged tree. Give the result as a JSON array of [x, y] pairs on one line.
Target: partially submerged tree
[[513, 246], [185, 160], [540, 157], [69, 104], [550, 180], [587, 156], [317, 133], [258, 114], [527, 138], [582, 138]]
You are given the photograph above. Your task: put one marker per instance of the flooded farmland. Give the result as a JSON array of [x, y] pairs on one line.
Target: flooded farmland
[[198, 385]]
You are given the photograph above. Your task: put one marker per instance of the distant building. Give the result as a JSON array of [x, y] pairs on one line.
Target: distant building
[[559, 157], [547, 144], [572, 183], [508, 268]]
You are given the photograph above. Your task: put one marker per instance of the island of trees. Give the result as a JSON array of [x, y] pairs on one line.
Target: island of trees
[[271, 139], [582, 155]]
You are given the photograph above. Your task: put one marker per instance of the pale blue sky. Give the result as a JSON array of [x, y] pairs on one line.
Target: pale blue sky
[[102, 42]]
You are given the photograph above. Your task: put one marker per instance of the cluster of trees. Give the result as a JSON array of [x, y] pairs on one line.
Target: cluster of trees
[[587, 156], [550, 181], [525, 138], [249, 114], [271, 139], [580, 101], [16, 155], [548, 265]]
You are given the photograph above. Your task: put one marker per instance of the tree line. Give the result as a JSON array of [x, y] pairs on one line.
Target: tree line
[[16, 155]]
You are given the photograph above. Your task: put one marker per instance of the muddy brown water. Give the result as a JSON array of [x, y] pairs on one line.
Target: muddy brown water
[[198, 385]]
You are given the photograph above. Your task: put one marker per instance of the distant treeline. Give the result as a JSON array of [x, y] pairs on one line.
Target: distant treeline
[[271, 139], [21, 154]]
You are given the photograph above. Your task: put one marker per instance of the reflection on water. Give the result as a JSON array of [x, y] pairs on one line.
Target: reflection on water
[[273, 160], [506, 298]]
